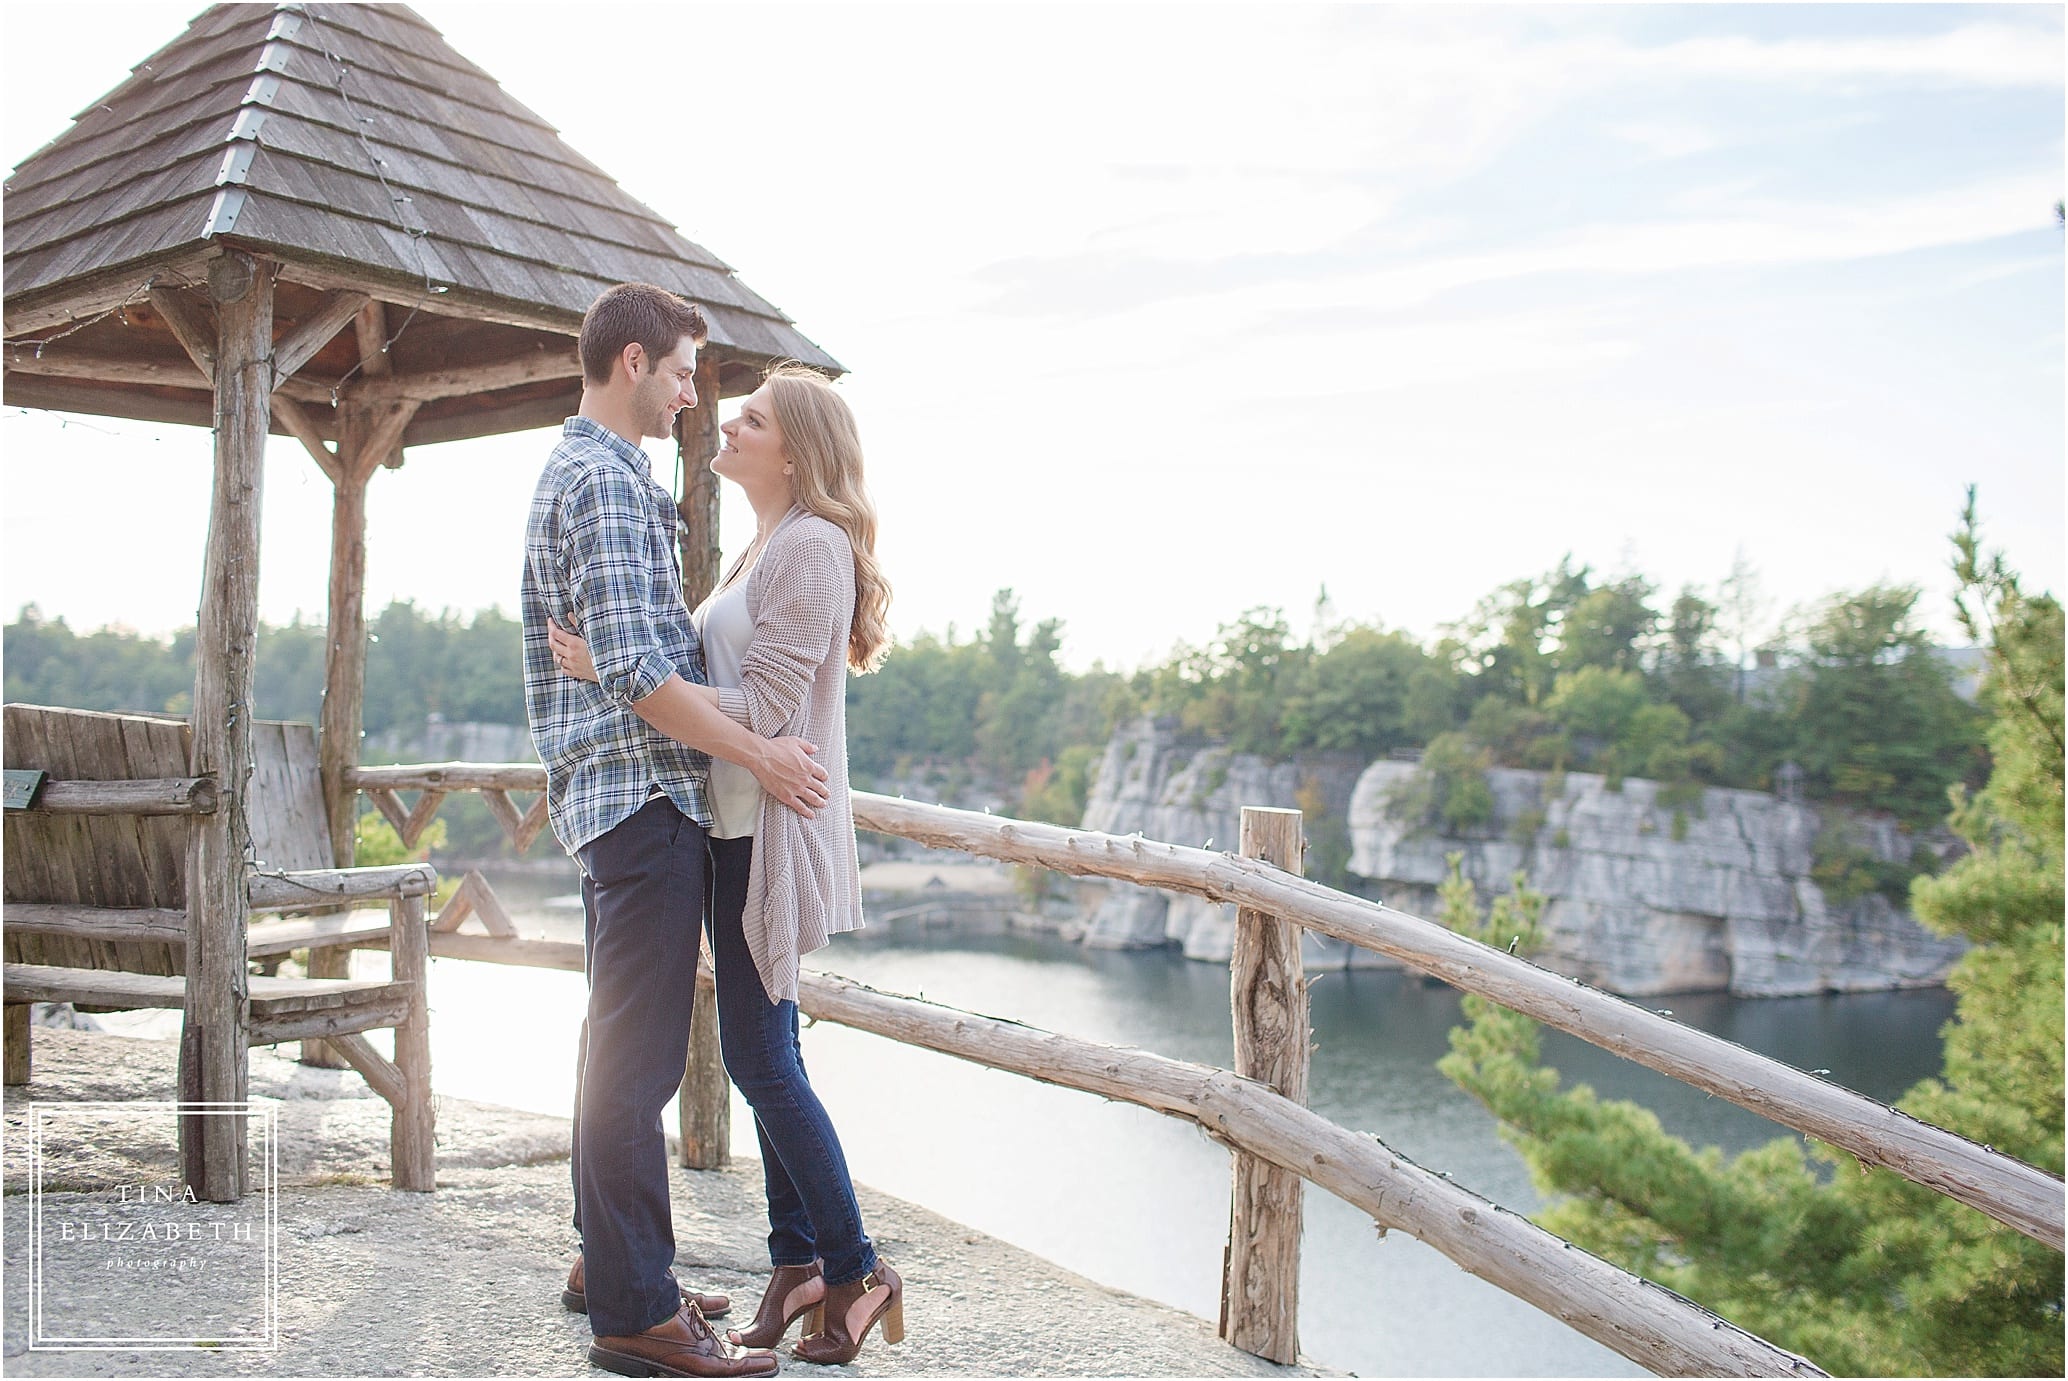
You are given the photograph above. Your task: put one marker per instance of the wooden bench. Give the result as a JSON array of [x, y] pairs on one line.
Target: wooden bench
[[96, 900]]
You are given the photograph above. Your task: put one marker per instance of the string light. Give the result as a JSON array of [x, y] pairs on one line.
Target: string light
[[120, 309]]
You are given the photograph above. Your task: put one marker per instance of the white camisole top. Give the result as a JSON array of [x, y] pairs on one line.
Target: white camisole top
[[726, 628]]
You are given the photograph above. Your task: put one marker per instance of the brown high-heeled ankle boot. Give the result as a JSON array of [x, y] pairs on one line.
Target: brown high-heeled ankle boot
[[789, 1294], [841, 1338]]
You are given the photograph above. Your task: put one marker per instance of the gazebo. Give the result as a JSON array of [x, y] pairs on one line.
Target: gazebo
[[319, 221]]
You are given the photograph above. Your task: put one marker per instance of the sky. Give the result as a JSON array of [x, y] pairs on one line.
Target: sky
[[1159, 313]]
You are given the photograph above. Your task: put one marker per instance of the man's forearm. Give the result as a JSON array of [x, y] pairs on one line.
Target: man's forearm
[[690, 715]]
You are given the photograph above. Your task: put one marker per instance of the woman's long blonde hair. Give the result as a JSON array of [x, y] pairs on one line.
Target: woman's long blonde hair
[[825, 452]]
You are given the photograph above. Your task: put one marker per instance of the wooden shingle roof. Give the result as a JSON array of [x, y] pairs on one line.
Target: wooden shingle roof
[[354, 147]]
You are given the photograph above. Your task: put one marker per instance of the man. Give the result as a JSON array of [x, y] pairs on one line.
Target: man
[[628, 799]]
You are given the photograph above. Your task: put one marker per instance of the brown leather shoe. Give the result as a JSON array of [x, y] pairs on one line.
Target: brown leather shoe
[[850, 1311], [681, 1346], [575, 1297], [792, 1290]]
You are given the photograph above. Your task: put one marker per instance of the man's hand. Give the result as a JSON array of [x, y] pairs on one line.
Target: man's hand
[[788, 773]]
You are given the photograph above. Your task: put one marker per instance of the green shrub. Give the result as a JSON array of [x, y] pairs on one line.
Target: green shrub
[[1846, 872], [1524, 830], [1328, 836], [1684, 794], [1448, 788], [377, 845]]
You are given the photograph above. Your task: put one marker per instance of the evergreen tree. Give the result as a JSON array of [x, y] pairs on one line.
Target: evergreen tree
[[1688, 671], [1876, 721], [1862, 1271]]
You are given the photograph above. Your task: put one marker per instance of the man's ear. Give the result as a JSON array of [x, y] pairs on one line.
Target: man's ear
[[633, 356]]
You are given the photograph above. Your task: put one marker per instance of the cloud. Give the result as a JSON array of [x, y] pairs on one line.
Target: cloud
[[1987, 54], [1666, 139], [1470, 45], [1753, 233]]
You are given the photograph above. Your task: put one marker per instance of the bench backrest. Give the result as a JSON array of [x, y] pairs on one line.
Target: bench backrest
[[289, 825], [140, 861]]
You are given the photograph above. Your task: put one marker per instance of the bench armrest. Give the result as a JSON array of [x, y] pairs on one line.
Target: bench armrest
[[312, 887]]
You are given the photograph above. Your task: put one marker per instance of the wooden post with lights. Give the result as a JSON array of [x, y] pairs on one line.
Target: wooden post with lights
[[705, 1108], [1260, 1282]]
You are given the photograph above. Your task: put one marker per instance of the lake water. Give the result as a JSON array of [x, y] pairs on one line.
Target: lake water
[[1138, 1201]]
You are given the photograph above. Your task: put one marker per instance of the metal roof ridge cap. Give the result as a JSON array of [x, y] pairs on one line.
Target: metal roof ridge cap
[[273, 58]]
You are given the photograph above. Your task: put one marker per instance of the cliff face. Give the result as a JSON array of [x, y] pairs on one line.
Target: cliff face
[[1154, 783], [439, 740], [1728, 904]]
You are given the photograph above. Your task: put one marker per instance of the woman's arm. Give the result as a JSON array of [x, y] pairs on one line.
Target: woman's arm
[[802, 614]]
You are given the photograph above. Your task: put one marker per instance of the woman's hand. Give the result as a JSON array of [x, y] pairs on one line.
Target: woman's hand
[[570, 653]]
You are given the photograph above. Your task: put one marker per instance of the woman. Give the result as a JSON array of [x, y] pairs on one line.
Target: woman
[[804, 603]]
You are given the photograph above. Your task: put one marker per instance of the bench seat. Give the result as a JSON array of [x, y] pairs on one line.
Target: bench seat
[[282, 1009], [262, 940]]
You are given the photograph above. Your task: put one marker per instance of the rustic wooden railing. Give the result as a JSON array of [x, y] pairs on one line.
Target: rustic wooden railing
[[1257, 1109]]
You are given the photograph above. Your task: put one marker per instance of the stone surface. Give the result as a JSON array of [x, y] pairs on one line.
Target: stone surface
[[1155, 782], [1729, 904], [466, 1281]]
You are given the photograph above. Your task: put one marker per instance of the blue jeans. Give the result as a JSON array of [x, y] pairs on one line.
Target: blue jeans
[[811, 1205], [642, 895]]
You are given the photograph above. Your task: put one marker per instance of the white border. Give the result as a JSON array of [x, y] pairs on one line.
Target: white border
[[266, 1115]]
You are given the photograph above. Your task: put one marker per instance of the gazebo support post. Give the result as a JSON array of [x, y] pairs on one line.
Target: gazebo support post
[[705, 1108], [344, 690], [368, 436], [212, 1051], [696, 439]]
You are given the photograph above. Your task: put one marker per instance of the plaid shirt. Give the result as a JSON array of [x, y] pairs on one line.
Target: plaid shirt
[[599, 557]]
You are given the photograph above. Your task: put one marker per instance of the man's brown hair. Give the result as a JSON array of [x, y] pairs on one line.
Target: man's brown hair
[[654, 317]]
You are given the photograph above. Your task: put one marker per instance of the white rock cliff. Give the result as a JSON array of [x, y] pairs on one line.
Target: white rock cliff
[[1639, 903]]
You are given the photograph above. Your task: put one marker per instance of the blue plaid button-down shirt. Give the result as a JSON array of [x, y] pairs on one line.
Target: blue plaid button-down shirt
[[600, 557]]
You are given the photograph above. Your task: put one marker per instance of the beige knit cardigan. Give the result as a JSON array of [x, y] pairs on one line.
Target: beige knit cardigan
[[805, 884]]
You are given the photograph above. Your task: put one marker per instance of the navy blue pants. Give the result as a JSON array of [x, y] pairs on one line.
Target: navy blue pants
[[642, 899], [811, 1205]]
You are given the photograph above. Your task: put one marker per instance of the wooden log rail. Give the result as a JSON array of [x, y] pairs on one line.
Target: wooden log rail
[[1645, 1322], [152, 796], [434, 780], [2005, 1188], [1981, 1177]]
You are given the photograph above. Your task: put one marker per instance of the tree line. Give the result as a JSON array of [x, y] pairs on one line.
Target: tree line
[[1563, 670], [417, 664]]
